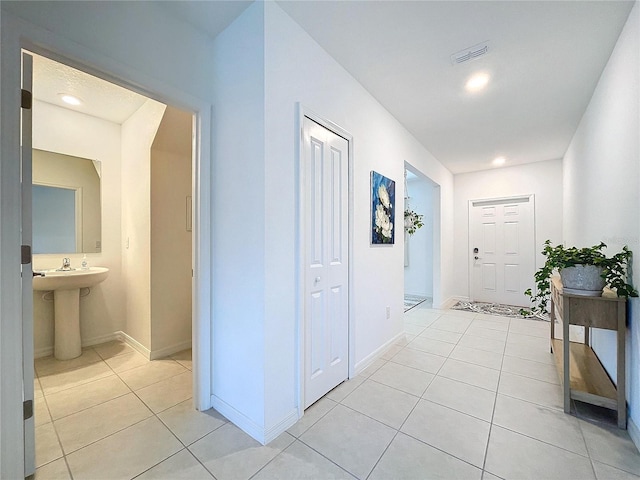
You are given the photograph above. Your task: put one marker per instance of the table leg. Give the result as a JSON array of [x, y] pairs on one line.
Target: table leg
[[552, 317], [621, 383], [566, 384]]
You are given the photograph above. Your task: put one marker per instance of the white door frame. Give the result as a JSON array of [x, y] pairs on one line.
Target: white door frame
[[18, 35], [300, 307], [435, 232], [26, 165], [530, 198]]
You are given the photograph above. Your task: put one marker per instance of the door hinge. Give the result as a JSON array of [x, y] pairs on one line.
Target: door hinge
[[25, 254], [27, 408], [25, 101]]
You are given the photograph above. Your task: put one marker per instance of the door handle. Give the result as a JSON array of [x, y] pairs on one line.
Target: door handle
[[317, 280], [38, 274], [476, 257]]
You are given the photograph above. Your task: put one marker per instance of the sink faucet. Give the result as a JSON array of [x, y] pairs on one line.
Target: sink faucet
[[66, 264]]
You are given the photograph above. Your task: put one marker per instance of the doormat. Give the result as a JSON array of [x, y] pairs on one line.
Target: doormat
[[411, 301], [497, 309]]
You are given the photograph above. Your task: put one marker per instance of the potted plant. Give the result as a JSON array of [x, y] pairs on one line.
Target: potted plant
[[611, 270], [412, 221]]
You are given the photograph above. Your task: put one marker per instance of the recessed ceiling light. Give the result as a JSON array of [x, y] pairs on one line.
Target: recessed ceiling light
[[499, 161], [70, 99], [477, 82]]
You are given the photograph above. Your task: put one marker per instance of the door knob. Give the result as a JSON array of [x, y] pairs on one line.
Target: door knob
[[317, 279], [477, 258]]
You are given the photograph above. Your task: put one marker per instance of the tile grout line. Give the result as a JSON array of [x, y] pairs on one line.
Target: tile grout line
[[55, 430], [426, 443], [586, 444], [153, 414], [449, 454], [385, 450], [421, 398], [495, 402], [323, 456]]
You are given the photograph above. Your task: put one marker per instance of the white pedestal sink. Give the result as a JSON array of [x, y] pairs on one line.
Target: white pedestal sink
[[66, 287]]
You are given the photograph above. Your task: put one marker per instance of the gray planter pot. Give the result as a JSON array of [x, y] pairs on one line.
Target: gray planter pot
[[582, 280]]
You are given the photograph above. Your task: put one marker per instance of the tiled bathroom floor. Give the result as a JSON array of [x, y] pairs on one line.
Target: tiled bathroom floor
[[465, 396]]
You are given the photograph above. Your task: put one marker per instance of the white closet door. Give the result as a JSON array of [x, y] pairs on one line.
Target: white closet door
[[326, 293]]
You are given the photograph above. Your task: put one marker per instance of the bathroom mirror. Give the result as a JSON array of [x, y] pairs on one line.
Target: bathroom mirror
[[66, 204]]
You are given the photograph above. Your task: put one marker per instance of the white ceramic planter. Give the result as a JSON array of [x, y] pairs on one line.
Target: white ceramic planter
[[582, 280]]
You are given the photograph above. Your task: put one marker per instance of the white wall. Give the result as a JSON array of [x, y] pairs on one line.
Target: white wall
[[132, 33], [265, 64], [129, 42], [298, 70], [138, 132], [418, 275], [239, 213], [126, 198], [170, 240], [601, 185], [64, 131], [543, 179], [255, 74]]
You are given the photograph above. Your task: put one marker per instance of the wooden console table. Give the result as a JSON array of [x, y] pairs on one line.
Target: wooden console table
[[583, 376]]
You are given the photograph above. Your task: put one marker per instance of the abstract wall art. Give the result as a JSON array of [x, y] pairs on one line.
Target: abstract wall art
[[383, 200]]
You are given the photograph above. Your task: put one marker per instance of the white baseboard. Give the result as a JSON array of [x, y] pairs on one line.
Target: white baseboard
[[133, 343], [239, 419], [129, 340], [87, 342], [450, 302], [375, 355], [634, 432], [250, 427], [170, 350], [419, 294], [42, 352], [153, 354], [287, 422], [109, 337]]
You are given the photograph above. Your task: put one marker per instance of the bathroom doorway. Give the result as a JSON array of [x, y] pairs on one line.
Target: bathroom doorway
[[142, 152], [421, 200]]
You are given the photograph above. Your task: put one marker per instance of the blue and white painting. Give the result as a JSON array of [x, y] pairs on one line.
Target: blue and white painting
[[383, 200]]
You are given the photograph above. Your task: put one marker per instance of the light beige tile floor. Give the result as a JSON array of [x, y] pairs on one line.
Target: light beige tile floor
[[462, 395]]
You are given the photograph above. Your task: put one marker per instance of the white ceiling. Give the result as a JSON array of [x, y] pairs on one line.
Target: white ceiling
[[210, 16], [99, 98], [106, 100], [545, 58]]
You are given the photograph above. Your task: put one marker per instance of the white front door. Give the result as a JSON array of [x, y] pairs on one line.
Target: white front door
[[502, 256], [326, 250], [27, 275]]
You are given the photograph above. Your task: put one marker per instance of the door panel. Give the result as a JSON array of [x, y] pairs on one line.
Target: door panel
[[489, 243], [489, 277], [326, 291], [511, 238], [337, 210], [503, 267], [511, 278], [316, 319], [316, 204]]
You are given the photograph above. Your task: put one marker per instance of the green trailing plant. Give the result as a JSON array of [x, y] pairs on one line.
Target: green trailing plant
[[412, 221], [614, 271]]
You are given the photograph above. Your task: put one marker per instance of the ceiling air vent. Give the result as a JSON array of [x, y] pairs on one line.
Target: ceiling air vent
[[470, 53]]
